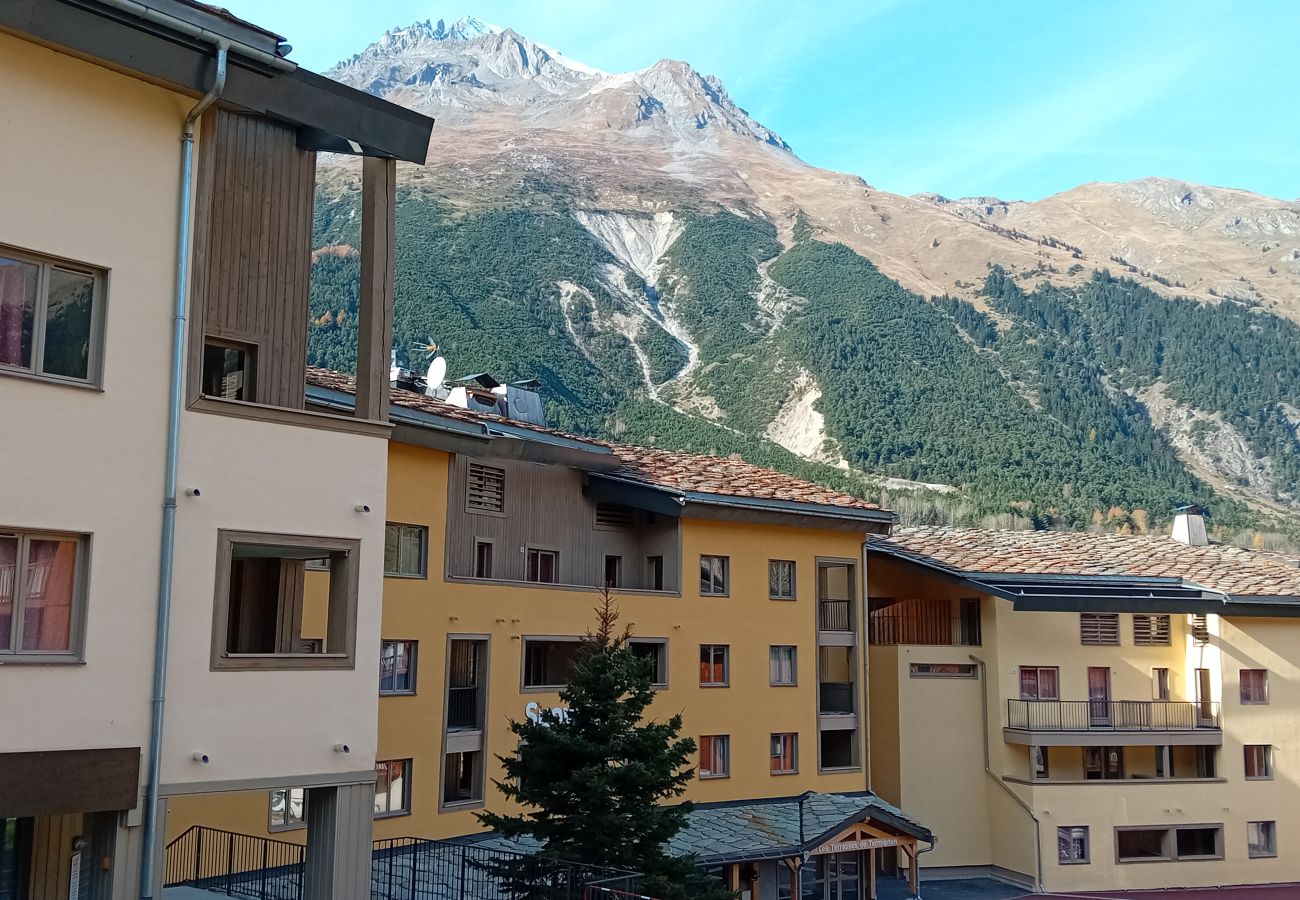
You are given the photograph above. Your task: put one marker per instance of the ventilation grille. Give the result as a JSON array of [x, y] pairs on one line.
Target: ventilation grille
[[1099, 628], [1149, 630], [487, 488], [611, 515], [1200, 629]]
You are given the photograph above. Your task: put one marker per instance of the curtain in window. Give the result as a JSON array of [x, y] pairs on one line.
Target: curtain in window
[[17, 311]]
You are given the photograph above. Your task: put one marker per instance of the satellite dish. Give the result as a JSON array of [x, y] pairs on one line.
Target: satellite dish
[[437, 372]]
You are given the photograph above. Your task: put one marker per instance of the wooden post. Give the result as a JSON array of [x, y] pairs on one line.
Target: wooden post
[[913, 873], [871, 878], [375, 313]]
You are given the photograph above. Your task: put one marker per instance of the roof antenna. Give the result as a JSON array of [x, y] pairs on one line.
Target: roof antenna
[[437, 371]]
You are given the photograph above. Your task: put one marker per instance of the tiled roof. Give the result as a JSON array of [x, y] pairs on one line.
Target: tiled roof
[[1218, 567], [671, 469]]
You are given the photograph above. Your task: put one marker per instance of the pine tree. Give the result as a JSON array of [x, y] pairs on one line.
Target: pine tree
[[596, 784]]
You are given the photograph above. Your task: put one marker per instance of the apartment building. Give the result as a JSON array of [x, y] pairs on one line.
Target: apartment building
[[155, 493], [743, 587], [1084, 712]]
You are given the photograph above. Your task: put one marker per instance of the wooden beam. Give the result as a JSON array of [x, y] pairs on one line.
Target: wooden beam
[[375, 323], [871, 876]]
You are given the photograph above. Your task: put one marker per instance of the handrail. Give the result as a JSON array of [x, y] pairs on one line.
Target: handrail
[[1112, 715]]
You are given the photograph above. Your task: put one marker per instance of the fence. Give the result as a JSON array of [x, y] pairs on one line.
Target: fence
[[237, 865], [1111, 715]]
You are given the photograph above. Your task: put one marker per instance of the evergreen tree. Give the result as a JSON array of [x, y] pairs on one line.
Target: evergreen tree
[[596, 783]]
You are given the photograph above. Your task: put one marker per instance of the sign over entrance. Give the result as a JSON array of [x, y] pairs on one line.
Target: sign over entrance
[[871, 843]]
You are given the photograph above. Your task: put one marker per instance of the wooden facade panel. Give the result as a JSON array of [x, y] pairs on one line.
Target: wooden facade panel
[[51, 871], [545, 508], [47, 782], [252, 250]]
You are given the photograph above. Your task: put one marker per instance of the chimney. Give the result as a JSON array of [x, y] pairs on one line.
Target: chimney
[[1189, 526]]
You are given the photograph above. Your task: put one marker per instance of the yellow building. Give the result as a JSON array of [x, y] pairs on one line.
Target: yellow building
[[1083, 712]]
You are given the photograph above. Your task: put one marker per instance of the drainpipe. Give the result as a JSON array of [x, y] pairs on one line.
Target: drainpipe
[[866, 670], [984, 709], [167, 551]]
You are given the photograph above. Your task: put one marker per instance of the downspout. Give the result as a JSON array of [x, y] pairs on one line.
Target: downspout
[[984, 709], [167, 550], [866, 670]]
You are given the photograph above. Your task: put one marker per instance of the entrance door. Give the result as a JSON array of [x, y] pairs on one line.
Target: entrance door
[[1099, 697]]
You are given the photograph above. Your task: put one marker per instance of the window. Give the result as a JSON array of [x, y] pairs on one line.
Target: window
[[1164, 761], [835, 582], [1038, 758], [1261, 839], [461, 778], [288, 809], [1160, 684], [1103, 763], [971, 627], [51, 318], [715, 669], [656, 652], [1205, 767], [543, 566], [229, 370], [405, 550], [1198, 843], [260, 599], [780, 579], [1099, 628], [1040, 683], [466, 694], [1179, 842], [42, 597], [1150, 630], [715, 756], [547, 662], [613, 571], [941, 670], [392, 787], [654, 566], [1254, 686], [397, 667], [713, 575], [1072, 845], [612, 516], [784, 665], [785, 754], [839, 749], [482, 559], [1259, 761], [485, 490]]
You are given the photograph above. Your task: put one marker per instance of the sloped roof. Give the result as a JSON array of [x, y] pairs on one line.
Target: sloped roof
[[1235, 571], [668, 469]]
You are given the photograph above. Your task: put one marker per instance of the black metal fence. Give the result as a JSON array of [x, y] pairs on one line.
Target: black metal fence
[[256, 868], [1112, 715]]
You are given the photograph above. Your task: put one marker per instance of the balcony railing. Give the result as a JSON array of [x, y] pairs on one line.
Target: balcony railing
[[835, 615], [1111, 715], [462, 709], [886, 630], [836, 698]]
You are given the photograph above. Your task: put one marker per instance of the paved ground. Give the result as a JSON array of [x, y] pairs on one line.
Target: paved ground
[[989, 889], [958, 889]]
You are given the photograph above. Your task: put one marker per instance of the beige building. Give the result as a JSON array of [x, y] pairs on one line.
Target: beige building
[[1083, 712], [138, 510]]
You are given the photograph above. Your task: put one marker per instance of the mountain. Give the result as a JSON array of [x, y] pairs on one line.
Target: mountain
[[674, 273]]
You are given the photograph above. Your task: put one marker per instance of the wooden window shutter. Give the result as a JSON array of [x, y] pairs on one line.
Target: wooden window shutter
[[1150, 630], [1099, 628], [486, 488]]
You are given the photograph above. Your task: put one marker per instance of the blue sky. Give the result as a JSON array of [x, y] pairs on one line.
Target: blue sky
[[1014, 99]]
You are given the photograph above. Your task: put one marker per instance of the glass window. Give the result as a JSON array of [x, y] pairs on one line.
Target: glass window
[[1038, 757], [1261, 839], [715, 756], [656, 653], [482, 559], [392, 787], [942, 670], [397, 667], [780, 579], [1103, 763], [715, 665], [288, 809], [405, 549], [49, 318], [713, 575], [547, 662], [1137, 844], [783, 664], [1039, 683], [39, 593], [839, 749], [466, 694], [15, 851], [1072, 845], [613, 571], [229, 370], [1197, 842], [543, 566], [461, 782], [655, 572], [1254, 686], [785, 754], [1160, 684], [1259, 761]]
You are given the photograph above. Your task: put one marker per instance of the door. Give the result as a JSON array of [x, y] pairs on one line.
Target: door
[[1099, 697]]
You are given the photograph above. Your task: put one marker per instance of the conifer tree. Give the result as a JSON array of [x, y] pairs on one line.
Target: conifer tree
[[596, 784]]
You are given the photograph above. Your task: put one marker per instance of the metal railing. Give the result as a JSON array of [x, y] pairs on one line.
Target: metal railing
[[462, 708], [835, 615], [1112, 715], [407, 868]]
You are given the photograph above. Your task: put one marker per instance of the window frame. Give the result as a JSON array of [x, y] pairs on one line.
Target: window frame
[[792, 737], [270, 810], [1039, 753], [618, 581], [1038, 682], [794, 665], [252, 351], [662, 644], [936, 670], [76, 652], [477, 791], [423, 568], [99, 276], [1241, 687], [344, 594], [553, 552], [715, 741], [1169, 843], [654, 565], [1265, 751], [524, 643], [413, 667], [1086, 859], [1272, 835], [1160, 684], [479, 544], [794, 579], [726, 665], [407, 793], [726, 576]]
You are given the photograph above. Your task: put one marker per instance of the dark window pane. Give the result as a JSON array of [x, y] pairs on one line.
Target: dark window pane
[[8, 585], [17, 311], [228, 372], [68, 322]]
